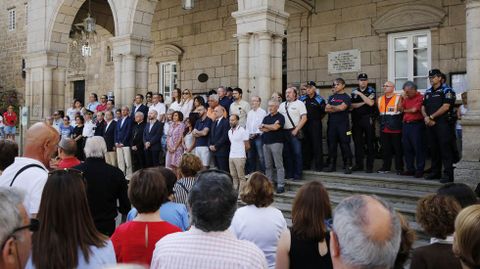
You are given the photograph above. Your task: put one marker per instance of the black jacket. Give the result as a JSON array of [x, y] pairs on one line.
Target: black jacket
[[143, 108], [105, 185], [219, 137], [109, 135], [137, 135], [154, 136]]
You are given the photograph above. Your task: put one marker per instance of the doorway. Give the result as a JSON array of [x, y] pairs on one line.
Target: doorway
[[79, 90]]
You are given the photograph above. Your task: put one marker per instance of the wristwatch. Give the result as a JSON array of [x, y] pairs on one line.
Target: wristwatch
[[431, 117]]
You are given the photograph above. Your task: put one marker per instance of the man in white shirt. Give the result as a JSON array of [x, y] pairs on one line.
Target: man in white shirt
[[239, 106], [89, 126], [254, 121], [159, 107], [239, 144], [209, 243], [295, 114], [29, 173]]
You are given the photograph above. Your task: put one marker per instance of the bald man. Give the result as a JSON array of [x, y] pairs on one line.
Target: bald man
[[29, 173], [366, 234]]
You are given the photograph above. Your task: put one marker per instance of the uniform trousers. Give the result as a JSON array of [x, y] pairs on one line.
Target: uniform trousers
[[441, 142], [313, 144], [392, 144], [337, 133], [363, 133]]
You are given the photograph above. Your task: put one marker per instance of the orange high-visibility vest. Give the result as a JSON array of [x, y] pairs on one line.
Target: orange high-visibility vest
[[390, 116]]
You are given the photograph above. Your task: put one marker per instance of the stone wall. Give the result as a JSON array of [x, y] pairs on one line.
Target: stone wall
[[12, 47], [205, 36]]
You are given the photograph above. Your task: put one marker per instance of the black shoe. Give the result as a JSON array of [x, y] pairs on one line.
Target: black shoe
[[330, 169], [428, 170], [418, 174], [357, 168], [280, 190], [347, 170], [407, 173], [432, 177], [446, 179], [369, 171]]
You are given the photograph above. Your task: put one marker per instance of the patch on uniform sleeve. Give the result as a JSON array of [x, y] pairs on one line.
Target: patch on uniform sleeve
[[449, 95], [371, 96]]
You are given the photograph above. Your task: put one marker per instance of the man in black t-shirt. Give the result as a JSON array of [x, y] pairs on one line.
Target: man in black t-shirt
[[273, 138], [339, 126]]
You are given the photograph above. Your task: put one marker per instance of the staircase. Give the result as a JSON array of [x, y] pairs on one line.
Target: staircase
[[402, 192]]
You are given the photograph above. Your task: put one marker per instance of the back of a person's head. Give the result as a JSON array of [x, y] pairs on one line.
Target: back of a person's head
[[367, 231], [311, 208], [10, 215], [9, 150], [66, 224], [68, 145], [212, 201], [464, 195], [258, 191], [169, 177], [466, 244], [147, 190], [95, 147], [436, 214], [190, 165], [406, 243]]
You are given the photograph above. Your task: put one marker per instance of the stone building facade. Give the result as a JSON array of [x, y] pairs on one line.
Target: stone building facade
[[260, 46]]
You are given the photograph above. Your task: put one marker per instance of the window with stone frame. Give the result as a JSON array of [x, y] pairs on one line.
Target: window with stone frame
[[409, 58], [167, 78], [12, 19]]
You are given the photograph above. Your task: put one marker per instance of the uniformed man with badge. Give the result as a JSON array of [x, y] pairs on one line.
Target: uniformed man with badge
[[363, 132], [315, 105], [438, 115]]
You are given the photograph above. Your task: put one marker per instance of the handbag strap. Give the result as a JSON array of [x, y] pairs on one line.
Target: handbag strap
[[288, 115], [23, 169]]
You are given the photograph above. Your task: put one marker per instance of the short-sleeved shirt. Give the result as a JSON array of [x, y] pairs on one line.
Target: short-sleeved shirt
[[336, 100], [364, 110], [241, 109], [161, 109], [237, 138], [89, 129], [9, 119], [315, 107], [199, 126], [274, 136], [435, 98], [296, 109]]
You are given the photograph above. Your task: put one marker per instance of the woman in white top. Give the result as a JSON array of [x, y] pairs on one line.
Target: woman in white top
[[186, 103], [258, 221], [76, 108], [176, 100], [67, 237], [188, 138]]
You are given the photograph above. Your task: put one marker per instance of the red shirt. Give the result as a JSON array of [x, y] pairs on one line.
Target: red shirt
[[68, 162], [10, 119], [102, 107], [409, 103], [133, 246], [386, 129]]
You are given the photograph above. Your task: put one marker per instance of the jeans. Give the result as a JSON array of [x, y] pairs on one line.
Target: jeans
[[292, 154], [255, 152], [273, 156]]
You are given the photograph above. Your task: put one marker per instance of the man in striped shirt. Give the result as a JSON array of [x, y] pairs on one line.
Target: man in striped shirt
[[209, 243]]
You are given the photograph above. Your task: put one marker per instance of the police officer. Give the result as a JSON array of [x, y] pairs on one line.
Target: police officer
[[363, 110], [338, 131], [438, 115], [315, 105]]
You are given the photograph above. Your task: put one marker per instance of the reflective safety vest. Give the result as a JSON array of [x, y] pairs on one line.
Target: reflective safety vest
[[390, 116]]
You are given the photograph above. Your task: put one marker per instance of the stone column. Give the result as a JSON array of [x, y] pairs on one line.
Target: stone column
[[59, 79], [117, 85], [141, 75], [47, 91], [468, 170], [128, 79], [277, 71], [264, 67], [243, 61]]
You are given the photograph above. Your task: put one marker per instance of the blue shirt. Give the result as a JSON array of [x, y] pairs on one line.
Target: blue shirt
[[200, 125], [173, 213], [66, 131]]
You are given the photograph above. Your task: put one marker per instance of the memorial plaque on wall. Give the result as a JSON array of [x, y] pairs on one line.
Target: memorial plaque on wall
[[344, 61]]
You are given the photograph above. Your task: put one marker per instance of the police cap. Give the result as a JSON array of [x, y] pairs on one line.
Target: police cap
[[362, 76], [312, 83], [434, 73]]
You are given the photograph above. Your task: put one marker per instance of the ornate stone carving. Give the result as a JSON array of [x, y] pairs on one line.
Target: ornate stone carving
[[409, 17]]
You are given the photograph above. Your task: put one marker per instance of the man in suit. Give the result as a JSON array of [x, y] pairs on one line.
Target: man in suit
[[139, 106], [109, 136], [152, 138], [100, 125], [123, 132], [136, 142], [219, 143]]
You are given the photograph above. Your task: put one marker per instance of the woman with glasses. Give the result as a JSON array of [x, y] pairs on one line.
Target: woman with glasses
[[307, 244], [187, 102], [66, 130], [135, 240], [67, 237]]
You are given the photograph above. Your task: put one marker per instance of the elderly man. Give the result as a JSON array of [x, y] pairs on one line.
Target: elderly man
[[219, 144], [15, 229], [106, 184], [390, 108], [272, 139], [295, 114], [29, 173], [136, 142], [223, 99], [100, 124], [239, 106], [123, 132], [109, 136], [212, 104], [366, 234], [208, 243], [152, 139], [67, 148]]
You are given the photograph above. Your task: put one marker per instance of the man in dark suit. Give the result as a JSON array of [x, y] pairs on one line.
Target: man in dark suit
[[139, 106], [100, 124], [106, 185], [219, 143], [123, 132], [152, 138], [136, 142], [109, 136]]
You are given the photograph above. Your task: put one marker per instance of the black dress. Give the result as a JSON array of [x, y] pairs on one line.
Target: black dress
[[77, 131], [304, 254]]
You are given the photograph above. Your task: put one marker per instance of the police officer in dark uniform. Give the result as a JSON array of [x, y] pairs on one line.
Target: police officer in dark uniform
[[338, 131], [315, 105], [363, 111], [437, 110]]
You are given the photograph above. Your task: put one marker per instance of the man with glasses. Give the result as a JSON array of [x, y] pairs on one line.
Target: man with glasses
[[437, 110], [363, 128], [16, 229]]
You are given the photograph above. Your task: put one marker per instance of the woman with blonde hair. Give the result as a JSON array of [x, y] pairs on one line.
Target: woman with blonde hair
[[186, 105], [466, 242]]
